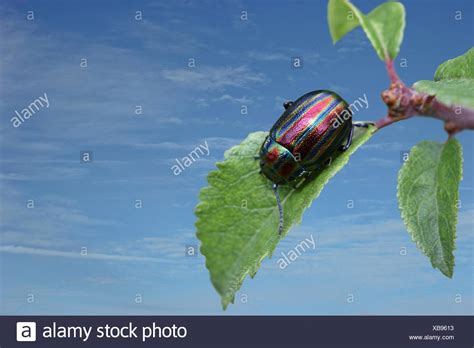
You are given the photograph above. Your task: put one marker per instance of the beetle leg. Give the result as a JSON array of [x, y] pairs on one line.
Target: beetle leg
[[361, 124], [349, 140], [280, 208], [287, 104], [300, 182], [328, 162]]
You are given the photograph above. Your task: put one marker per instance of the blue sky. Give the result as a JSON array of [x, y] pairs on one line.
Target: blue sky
[[138, 254]]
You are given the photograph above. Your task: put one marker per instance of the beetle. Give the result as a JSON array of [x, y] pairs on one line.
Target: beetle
[[304, 139]]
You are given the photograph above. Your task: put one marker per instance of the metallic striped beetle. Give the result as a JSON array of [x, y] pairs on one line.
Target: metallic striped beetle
[[305, 138]]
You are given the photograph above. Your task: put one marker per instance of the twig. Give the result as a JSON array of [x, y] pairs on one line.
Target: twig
[[404, 102]]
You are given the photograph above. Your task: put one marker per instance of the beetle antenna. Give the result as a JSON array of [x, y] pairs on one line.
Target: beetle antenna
[[280, 208]]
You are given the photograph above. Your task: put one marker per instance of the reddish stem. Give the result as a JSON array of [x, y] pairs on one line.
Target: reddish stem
[[392, 74], [456, 118]]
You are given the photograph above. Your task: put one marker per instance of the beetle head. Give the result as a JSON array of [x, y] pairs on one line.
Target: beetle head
[[277, 163]]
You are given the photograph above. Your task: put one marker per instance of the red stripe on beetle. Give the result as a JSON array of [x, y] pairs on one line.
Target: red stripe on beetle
[[305, 147], [305, 120]]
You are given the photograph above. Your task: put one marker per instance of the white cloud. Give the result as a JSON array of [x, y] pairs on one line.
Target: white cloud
[[104, 112], [244, 100], [268, 56], [165, 145], [43, 173], [208, 78], [355, 41], [305, 55], [13, 249], [387, 146], [222, 143], [382, 161], [170, 247], [51, 222], [214, 143]]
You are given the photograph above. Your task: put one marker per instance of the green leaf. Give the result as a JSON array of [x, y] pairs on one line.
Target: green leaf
[[237, 217], [343, 17], [428, 186], [383, 26], [457, 68], [453, 82], [458, 92]]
